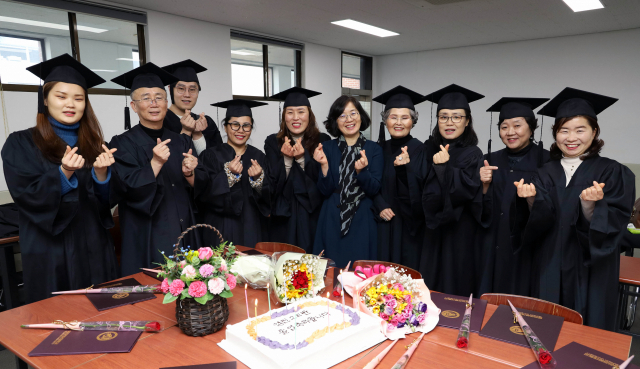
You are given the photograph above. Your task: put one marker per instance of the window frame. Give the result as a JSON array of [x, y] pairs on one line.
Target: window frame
[[365, 92], [75, 40], [266, 42]]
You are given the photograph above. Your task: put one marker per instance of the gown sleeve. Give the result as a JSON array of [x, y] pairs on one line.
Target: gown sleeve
[[212, 187], [601, 237], [262, 198], [133, 183], [212, 133], [35, 187], [416, 175], [542, 215], [327, 184], [370, 178], [277, 177]]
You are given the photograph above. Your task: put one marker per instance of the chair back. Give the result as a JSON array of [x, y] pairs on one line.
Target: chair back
[[530, 303], [278, 246], [412, 272]]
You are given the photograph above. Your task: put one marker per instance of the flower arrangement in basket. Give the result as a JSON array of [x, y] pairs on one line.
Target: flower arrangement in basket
[[202, 281], [297, 276], [393, 297]]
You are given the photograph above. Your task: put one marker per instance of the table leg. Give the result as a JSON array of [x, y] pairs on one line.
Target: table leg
[[21, 364], [8, 270]]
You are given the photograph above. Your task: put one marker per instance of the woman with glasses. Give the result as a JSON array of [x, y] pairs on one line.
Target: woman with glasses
[[580, 204], [350, 176], [231, 186], [398, 206], [452, 194], [293, 172], [58, 174]]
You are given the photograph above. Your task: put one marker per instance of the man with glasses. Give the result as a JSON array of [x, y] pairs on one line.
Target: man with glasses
[[184, 95], [154, 174]]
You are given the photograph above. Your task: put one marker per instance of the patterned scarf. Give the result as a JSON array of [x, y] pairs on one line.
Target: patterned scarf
[[350, 192]]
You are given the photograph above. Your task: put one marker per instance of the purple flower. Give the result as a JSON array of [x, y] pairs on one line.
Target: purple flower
[[388, 310], [392, 303], [401, 324], [413, 320], [422, 306]]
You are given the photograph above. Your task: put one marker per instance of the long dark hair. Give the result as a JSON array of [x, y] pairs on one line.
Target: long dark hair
[[90, 138], [310, 138], [336, 110], [596, 144], [467, 138]]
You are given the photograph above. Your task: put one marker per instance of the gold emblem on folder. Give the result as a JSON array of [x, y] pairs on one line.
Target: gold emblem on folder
[[118, 296], [517, 330], [450, 314], [107, 336]]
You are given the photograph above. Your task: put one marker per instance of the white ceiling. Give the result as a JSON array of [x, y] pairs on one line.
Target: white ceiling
[[421, 24]]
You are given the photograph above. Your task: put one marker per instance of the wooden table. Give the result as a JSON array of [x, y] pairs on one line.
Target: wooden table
[[173, 348]]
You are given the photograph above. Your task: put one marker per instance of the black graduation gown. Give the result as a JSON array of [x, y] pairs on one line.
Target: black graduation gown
[[401, 239], [505, 267], [240, 212], [153, 211], [578, 262], [64, 240], [211, 134], [295, 200], [452, 203]]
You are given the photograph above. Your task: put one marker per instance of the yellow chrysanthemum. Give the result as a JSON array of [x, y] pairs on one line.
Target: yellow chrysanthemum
[[376, 309], [383, 289]]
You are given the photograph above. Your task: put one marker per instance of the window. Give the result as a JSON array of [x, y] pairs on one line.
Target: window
[[249, 56], [30, 34], [357, 74]]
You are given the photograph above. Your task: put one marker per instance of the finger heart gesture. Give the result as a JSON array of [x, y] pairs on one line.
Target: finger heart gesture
[[201, 123], [593, 193], [287, 149], [189, 163], [442, 156], [72, 161], [486, 172], [235, 165], [362, 162], [525, 190], [256, 170], [187, 121], [319, 156], [403, 158], [105, 159], [298, 149], [161, 151]]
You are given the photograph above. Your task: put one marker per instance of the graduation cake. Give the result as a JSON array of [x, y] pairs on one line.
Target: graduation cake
[[325, 336]]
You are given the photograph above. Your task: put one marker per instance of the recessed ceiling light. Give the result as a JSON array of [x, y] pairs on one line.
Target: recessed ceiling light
[[582, 5], [366, 28], [29, 22], [245, 52]]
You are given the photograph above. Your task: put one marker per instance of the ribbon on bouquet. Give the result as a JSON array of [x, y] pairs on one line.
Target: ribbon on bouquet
[[368, 271]]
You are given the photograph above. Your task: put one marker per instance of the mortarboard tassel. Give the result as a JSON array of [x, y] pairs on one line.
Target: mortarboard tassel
[[40, 100], [541, 145], [431, 124], [489, 148], [381, 137], [127, 118]]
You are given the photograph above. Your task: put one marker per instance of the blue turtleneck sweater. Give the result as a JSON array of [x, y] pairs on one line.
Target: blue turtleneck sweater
[[69, 134]]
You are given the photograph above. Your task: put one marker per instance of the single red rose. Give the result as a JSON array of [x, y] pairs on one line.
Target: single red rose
[[152, 326], [336, 293], [544, 357], [462, 342]]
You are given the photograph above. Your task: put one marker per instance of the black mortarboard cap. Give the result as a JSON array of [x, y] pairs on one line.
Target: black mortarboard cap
[[453, 97], [238, 107], [64, 68], [399, 97], [296, 96], [512, 107], [571, 102], [186, 70], [145, 76]]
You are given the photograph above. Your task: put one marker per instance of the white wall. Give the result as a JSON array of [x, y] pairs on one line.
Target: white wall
[[605, 63], [211, 48]]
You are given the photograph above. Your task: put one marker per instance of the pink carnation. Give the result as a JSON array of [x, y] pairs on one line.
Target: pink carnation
[[392, 303], [394, 322], [165, 286], [422, 318], [391, 327], [176, 287], [205, 253], [183, 264], [384, 316], [406, 314], [223, 265], [231, 281], [197, 289], [401, 318], [206, 270], [216, 285], [388, 298]]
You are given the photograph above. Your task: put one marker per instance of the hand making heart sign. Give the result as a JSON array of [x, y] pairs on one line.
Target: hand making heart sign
[[403, 158], [103, 162], [442, 156]]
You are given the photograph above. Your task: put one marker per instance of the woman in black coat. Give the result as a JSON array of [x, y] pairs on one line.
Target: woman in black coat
[[293, 172], [580, 204]]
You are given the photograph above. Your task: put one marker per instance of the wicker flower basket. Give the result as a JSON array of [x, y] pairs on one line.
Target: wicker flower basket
[[195, 319]]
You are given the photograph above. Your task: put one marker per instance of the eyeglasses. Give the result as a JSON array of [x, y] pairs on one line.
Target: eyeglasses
[[150, 101], [235, 126], [181, 90], [396, 119], [454, 119], [353, 116]]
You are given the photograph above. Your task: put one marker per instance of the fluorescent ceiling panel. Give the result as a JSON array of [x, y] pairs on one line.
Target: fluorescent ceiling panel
[[49, 25], [582, 5], [245, 52], [366, 28]]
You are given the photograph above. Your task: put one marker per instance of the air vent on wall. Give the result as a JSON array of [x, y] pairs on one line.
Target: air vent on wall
[[444, 2]]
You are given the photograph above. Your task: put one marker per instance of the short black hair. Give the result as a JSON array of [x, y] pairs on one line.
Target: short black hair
[[336, 110], [467, 138], [532, 122], [173, 85]]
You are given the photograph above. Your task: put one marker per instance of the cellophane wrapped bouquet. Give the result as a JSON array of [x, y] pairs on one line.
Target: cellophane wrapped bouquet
[[297, 276]]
